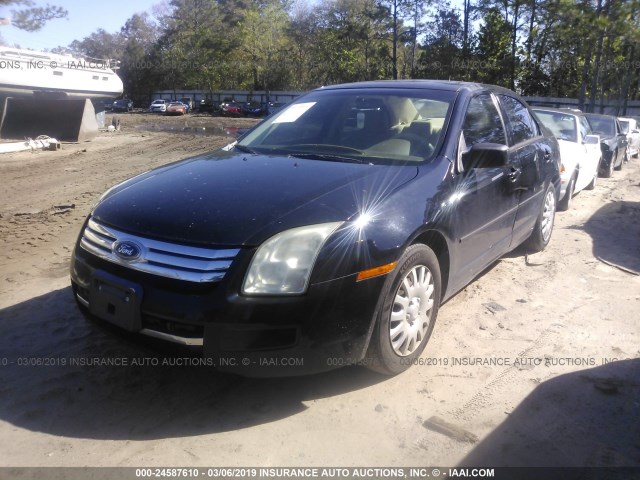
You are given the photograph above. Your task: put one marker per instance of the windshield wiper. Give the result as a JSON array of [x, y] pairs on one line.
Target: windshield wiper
[[244, 149], [327, 156]]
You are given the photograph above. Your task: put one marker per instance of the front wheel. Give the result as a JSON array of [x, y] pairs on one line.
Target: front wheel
[[609, 171], [405, 320], [541, 234], [594, 180], [564, 204], [624, 159]]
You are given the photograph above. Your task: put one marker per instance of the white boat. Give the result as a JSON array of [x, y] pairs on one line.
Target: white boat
[[28, 72]]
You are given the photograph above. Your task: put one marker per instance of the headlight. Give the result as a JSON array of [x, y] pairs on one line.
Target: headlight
[[283, 264]]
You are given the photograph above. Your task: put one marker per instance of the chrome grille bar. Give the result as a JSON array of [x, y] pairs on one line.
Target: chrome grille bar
[[170, 260]]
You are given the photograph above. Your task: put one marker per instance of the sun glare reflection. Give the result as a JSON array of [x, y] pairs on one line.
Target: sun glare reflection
[[352, 250]]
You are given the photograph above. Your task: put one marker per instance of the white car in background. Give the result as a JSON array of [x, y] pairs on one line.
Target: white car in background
[[579, 151], [631, 129], [158, 106]]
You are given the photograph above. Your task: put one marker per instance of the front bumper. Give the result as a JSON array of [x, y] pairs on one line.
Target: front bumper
[[325, 328]]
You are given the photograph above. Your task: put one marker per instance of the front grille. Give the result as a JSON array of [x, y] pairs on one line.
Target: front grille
[[170, 260], [171, 327]]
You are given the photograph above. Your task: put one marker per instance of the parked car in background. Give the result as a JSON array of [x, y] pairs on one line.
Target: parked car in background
[[207, 105], [176, 108], [107, 105], [580, 152], [188, 102], [123, 105], [631, 129], [232, 109], [275, 107], [329, 234], [613, 142], [158, 106], [252, 109]]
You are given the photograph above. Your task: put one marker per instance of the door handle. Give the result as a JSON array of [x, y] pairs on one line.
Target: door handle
[[514, 174]]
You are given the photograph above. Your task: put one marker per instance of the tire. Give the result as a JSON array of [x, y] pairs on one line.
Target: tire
[[594, 180], [406, 317], [609, 171], [563, 205], [619, 167], [543, 228]]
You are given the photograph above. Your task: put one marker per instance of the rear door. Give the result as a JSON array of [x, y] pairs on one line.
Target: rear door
[[527, 149]]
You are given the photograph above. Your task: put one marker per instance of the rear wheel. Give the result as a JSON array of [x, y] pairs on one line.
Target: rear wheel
[[543, 228], [564, 204], [408, 313]]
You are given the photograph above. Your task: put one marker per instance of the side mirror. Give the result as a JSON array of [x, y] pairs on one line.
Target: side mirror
[[485, 155], [591, 139]]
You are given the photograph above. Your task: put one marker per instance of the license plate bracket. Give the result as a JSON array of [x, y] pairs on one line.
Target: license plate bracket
[[116, 301]]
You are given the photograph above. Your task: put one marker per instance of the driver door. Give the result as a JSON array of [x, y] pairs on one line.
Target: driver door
[[486, 201]]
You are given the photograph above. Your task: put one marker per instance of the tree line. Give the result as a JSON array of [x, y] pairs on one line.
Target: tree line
[[585, 49]]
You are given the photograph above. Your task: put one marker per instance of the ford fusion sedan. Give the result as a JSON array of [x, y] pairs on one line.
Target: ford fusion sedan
[[579, 151], [330, 233], [613, 142]]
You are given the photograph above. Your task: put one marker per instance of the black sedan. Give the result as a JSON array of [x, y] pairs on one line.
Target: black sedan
[[330, 233], [123, 105], [613, 142]]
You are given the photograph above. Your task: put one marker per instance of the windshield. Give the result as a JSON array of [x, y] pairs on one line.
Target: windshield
[[367, 125], [602, 125], [562, 126]]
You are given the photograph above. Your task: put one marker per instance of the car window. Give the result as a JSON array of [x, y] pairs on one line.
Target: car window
[[624, 126], [372, 125], [521, 124], [602, 125], [482, 123], [585, 128], [562, 125]]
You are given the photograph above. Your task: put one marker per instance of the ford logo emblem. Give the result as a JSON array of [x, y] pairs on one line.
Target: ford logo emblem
[[127, 250]]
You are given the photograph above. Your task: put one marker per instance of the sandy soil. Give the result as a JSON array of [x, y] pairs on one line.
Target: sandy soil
[[548, 322]]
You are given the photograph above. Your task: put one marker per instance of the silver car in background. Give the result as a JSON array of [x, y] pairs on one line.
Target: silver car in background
[[631, 129]]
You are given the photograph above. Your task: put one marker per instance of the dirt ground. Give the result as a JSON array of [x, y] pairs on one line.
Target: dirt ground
[[537, 362]]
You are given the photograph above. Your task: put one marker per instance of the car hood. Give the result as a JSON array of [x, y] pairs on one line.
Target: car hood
[[240, 199]]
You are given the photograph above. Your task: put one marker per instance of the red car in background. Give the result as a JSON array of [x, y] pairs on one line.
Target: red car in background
[[176, 108], [231, 109]]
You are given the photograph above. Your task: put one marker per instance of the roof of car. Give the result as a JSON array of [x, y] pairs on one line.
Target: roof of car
[[565, 111], [450, 85], [599, 115]]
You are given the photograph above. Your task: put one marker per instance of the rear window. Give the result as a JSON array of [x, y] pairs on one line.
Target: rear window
[[562, 125], [602, 125]]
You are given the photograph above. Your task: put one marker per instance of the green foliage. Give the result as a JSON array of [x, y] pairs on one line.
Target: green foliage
[[33, 18], [583, 48], [494, 50]]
